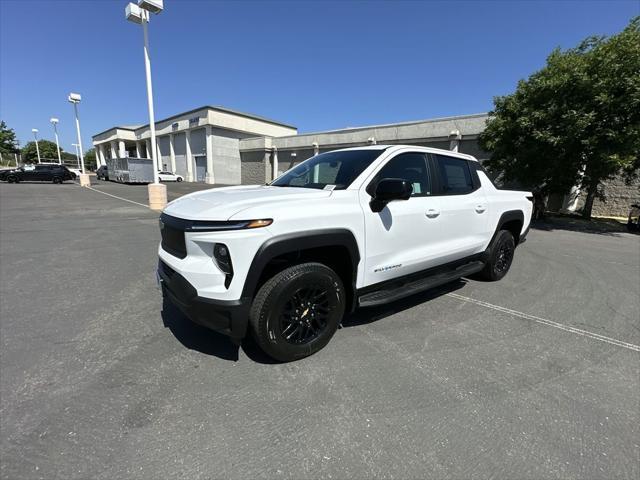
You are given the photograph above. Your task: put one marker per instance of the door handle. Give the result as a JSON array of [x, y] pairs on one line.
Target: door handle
[[480, 208], [432, 213]]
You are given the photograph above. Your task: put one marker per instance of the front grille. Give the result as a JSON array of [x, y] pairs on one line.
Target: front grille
[[172, 240]]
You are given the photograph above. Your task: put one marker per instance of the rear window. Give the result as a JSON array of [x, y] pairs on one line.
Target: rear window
[[455, 175]]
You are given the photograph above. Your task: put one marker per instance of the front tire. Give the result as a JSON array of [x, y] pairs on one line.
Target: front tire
[[500, 258], [297, 311], [178, 179], [57, 180]]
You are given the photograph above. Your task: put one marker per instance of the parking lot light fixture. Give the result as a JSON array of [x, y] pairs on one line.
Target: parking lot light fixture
[[54, 122], [35, 135], [75, 145], [76, 98], [140, 14]]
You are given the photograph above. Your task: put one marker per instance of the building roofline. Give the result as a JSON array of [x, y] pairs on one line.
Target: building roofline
[[387, 125], [224, 110], [205, 107]]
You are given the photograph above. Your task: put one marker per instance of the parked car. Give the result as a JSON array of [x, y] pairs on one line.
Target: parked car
[[633, 223], [40, 173], [350, 228], [103, 173], [169, 177]]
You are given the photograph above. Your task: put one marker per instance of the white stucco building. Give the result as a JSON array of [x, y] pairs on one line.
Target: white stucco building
[[202, 144]]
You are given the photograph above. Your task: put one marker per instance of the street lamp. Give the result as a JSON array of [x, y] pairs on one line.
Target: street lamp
[[75, 145], [140, 14], [54, 122], [75, 98], [35, 135]]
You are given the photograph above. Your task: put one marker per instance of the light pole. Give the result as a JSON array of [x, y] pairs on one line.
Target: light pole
[[35, 135], [140, 13], [54, 122], [75, 98], [75, 145]]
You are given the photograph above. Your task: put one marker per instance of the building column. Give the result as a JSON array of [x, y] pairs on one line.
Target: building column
[[316, 148], [138, 150], [112, 145], [121, 149], [147, 146], [209, 178], [187, 141], [100, 154], [274, 160], [172, 153], [454, 140]]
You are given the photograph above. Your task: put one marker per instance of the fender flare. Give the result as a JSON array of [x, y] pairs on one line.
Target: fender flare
[[292, 242], [507, 216]]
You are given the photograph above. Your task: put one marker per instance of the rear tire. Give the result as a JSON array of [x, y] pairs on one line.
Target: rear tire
[[12, 179], [297, 311], [178, 179], [500, 257]]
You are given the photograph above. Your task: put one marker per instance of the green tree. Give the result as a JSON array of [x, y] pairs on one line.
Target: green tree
[[575, 122], [48, 151], [8, 141], [90, 159]]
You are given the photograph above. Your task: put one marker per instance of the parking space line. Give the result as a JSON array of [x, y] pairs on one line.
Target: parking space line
[[115, 196], [550, 323]]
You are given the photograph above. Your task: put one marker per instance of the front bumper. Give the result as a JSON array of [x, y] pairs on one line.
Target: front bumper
[[229, 317]]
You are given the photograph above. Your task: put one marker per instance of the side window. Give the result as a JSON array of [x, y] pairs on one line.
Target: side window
[[411, 167], [455, 176]]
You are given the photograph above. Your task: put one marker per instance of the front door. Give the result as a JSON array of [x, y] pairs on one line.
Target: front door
[[407, 235]]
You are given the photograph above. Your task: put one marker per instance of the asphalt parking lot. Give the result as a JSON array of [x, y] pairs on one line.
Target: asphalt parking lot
[[537, 376]]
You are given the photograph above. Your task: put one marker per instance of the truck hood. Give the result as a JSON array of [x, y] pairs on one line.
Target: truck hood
[[223, 203]]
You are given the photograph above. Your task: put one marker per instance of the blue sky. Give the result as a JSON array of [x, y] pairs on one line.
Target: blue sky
[[316, 65]]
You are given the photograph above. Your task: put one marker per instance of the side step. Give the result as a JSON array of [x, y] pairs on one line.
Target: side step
[[398, 291]]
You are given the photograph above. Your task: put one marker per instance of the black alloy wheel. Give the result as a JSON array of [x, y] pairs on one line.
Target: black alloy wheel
[[305, 315], [500, 257], [297, 311]]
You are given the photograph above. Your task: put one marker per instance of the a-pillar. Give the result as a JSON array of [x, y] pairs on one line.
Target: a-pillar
[[121, 149], [172, 153], [454, 140], [209, 178], [187, 138]]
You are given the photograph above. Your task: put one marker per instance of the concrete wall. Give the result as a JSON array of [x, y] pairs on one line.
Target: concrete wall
[[619, 197], [226, 160], [253, 167]]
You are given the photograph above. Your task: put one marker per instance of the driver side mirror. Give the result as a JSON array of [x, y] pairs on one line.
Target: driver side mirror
[[389, 189]]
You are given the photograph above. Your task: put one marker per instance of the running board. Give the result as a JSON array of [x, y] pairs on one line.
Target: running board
[[398, 291]]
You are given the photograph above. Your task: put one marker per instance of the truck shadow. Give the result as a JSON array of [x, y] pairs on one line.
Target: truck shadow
[[364, 316], [203, 340]]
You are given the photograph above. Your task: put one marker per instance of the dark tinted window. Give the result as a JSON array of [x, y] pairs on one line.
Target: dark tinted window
[[411, 167], [43, 168], [335, 169], [455, 176]]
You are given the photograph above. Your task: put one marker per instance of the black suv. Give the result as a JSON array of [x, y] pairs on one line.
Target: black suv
[[39, 173]]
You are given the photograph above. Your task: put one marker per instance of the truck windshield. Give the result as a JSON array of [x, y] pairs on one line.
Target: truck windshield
[[335, 170]]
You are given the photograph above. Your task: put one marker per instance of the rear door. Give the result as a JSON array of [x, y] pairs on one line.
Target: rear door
[[463, 206], [43, 173]]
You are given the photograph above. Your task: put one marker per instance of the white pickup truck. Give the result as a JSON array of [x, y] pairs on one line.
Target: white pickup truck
[[350, 228]]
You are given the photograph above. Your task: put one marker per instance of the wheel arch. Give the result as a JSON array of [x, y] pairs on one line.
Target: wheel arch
[[337, 248], [511, 220]]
